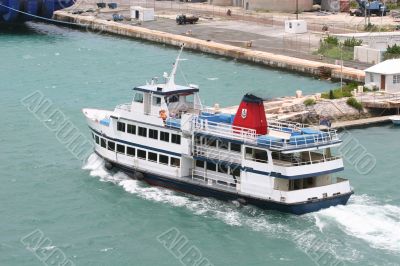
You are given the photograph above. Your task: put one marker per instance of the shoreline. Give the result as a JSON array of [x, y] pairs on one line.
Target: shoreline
[[277, 61]]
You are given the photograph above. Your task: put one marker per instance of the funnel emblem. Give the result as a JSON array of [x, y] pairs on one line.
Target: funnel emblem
[[244, 113]]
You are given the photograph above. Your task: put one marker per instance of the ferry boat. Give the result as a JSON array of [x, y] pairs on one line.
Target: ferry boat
[[166, 137]]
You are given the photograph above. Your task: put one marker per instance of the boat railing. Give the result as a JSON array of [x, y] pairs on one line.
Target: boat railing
[[219, 179], [224, 130], [285, 125], [247, 135], [217, 154], [124, 107], [301, 163]]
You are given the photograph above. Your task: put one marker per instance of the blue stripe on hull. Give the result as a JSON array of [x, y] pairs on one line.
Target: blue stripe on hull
[[300, 208]]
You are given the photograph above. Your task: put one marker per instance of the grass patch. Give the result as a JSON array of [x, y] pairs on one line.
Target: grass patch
[[309, 102], [332, 48], [354, 103], [339, 93]]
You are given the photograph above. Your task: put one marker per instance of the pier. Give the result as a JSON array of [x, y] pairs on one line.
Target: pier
[[309, 67]]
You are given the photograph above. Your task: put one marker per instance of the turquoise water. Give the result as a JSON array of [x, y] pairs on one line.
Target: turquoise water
[[95, 217]]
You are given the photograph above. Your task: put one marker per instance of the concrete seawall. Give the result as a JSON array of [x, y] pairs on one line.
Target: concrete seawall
[[269, 59]]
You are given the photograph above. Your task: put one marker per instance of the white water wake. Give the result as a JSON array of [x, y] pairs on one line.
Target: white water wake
[[373, 223], [363, 218]]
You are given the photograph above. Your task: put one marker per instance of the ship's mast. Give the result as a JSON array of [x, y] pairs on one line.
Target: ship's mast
[[171, 80]]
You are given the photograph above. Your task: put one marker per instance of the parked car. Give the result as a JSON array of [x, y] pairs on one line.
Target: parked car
[[183, 19]]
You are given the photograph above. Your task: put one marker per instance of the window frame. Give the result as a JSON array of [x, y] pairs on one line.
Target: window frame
[[130, 126], [140, 131], [176, 139], [150, 153], [138, 154], [151, 133], [103, 141], [123, 126], [129, 148], [174, 159], [108, 145], [164, 133], [165, 156], [120, 145]]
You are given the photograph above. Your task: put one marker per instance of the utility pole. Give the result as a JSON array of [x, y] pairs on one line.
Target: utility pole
[[297, 9]]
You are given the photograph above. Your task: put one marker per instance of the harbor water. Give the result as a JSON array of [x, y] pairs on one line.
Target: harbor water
[[51, 202]]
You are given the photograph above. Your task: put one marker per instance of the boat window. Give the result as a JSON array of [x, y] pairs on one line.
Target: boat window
[[235, 171], [156, 101], [141, 154], [175, 138], [130, 151], [92, 135], [153, 133], [131, 129], [211, 166], [97, 139], [120, 148], [223, 145], [200, 164], [211, 142], [142, 131], [111, 145], [222, 168], [256, 155], [121, 126], [163, 159], [173, 99], [138, 97], [175, 162], [152, 156], [236, 147], [103, 143], [164, 136]]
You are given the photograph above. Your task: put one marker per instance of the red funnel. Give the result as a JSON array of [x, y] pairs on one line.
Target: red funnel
[[251, 114]]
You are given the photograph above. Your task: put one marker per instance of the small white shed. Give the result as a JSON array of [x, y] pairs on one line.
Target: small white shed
[[295, 26], [385, 76], [142, 13]]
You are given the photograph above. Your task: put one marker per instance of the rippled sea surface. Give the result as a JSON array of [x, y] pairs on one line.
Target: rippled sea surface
[[51, 202]]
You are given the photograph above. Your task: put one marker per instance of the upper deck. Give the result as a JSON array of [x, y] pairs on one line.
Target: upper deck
[[282, 135]]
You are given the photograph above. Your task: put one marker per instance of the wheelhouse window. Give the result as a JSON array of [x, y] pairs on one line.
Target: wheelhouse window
[[121, 126], [138, 97], [163, 159], [131, 129], [92, 135], [111, 145], [164, 136], [156, 101], [130, 151], [103, 143], [256, 155], [97, 139], [141, 154], [176, 162], [153, 133], [120, 148], [175, 138], [152, 156], [142, 131]]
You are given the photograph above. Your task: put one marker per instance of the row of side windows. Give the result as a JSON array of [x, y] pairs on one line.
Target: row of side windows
[[139, 153], [150, 133], [221, 168]]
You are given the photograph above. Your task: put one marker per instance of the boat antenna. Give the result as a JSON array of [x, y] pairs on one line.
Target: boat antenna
[[171, 79]]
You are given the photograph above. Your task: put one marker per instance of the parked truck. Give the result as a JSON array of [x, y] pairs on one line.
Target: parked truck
[[367, 8]]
